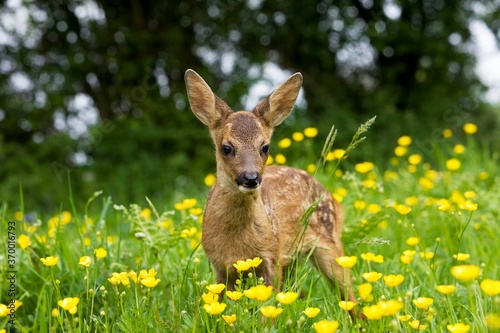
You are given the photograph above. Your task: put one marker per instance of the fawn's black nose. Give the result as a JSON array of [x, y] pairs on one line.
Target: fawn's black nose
[[250, 180]]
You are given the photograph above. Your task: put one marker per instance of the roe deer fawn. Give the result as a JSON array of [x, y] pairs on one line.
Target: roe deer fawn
[[254, 210]]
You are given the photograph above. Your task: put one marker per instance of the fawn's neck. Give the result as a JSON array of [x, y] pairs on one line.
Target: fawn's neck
[[238, 210]]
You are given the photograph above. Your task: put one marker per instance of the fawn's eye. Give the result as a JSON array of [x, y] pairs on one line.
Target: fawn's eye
[[226, 150], [265, 149]]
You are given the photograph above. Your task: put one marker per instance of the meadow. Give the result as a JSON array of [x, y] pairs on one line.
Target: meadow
[[421, 238]]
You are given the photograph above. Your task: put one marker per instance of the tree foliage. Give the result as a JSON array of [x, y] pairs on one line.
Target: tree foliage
[[96, 88]]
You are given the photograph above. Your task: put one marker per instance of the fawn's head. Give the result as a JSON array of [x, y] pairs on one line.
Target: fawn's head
[[241, 138]]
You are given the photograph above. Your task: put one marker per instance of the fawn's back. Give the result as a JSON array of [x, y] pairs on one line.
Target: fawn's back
[[258, 211]]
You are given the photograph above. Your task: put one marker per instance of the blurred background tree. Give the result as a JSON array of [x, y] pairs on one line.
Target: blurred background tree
[[96, 88]]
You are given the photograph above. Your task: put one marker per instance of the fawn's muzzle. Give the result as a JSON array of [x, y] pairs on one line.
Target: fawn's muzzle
[[248, 180]]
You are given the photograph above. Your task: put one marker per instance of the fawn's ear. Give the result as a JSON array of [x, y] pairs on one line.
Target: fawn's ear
[[205, 104], [277, 106]]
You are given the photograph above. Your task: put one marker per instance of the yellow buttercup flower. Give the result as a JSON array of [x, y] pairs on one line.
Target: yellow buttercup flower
[[447, 133], [402, 209], [446, 289], [325, 326], [372, 257], [461, 256], [210, 180], [364, 167], [404, 317], [346, 261], [216, 288], [390, 307], [311, 312], [459, 149], [146, 213], [298, 136], [392, 280], [55, 312], [214, 308], [413, 241], [453, 164], [85, 261], [147, 273], [468, 205], [210, 298], [400, 151], [470, 128], [346, 305], [415, 159], [365, 291], [458, 328], [229, 319], [284, 143], [100, 253], [371, 276], [117, 278], [465, 273], [255, 262], [280, 159], [69, 304], [50, 261], [338, 153], [270, 160], [187, 203], [423, 302], [415, 324], [260, 292], [150, 282], [244, 265], [373, 312], [234, 295], [286, 298], [404, 140], [493, 321], [490, 287], [24, 241], [270, 311], [310, 132]]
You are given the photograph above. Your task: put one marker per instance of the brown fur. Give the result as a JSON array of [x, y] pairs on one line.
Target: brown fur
[[263, 221]]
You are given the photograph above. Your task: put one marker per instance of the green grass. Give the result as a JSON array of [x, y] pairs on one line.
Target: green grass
[[443, 221]]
